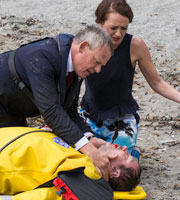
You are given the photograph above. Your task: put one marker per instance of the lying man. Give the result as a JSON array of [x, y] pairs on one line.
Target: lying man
[[32, 157]]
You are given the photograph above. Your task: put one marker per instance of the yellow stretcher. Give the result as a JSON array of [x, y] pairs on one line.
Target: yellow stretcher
[[137, 193]]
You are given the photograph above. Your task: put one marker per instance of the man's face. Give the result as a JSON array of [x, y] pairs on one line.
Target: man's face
[[88, 61], [123, 159]]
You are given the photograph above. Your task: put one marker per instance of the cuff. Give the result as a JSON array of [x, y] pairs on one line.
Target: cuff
[[83, 141], [88, 134]]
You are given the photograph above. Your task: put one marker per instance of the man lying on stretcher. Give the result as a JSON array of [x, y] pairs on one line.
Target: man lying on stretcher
[[30, 160]]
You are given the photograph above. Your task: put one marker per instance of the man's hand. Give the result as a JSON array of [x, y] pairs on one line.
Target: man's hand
[[107, 147], [97, 142], [100, 160]]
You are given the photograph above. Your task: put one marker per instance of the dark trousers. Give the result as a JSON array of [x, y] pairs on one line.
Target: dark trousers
[[18, 108], [7, 119]]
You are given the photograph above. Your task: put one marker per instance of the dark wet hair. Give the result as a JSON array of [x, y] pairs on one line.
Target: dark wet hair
[[128, 179], [107, 6]]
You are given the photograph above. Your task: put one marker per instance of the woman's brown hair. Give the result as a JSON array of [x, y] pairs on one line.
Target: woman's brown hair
[[107, 6]]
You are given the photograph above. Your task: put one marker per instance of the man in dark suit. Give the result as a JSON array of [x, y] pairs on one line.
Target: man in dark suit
[[43, 68]]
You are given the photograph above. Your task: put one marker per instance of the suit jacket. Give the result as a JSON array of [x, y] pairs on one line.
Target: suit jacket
[[43, 70]]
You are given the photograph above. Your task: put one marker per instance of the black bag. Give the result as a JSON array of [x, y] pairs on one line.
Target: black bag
[[75, 185]]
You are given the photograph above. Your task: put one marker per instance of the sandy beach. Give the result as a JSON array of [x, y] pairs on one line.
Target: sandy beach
[[157, 22]]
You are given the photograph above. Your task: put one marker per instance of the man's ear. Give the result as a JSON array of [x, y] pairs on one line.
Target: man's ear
[[116, 172], [83, 46]]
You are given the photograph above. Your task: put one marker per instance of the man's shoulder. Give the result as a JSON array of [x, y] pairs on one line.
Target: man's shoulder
[[66, 38], [66, 35]]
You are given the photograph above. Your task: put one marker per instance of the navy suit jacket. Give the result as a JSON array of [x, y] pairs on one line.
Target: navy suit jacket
[[43, 70]]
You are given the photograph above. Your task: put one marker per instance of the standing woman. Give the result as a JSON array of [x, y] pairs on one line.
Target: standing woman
[[108, 104]]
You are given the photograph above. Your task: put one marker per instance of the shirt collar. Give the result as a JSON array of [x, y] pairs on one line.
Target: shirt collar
[[69, 63]]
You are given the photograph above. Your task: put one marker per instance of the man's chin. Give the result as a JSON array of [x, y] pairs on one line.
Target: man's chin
[[82, 76], [85, 74]]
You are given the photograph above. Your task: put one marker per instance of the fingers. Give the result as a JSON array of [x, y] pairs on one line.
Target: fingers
[[105, 167], [104, 175], [99, 171], [109, 172], [105, 172], [100, 159], [97, 142], [112, 156]]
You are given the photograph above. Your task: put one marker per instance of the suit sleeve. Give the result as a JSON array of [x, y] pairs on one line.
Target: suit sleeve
[[73, 113], [42, 75]]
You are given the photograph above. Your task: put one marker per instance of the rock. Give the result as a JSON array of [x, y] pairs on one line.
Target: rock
[[177, 187]]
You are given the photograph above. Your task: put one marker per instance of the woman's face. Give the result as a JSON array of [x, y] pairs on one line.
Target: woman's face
[[116, 25]]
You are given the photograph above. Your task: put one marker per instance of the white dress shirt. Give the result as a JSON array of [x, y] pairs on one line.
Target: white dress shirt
[[83, 141]]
